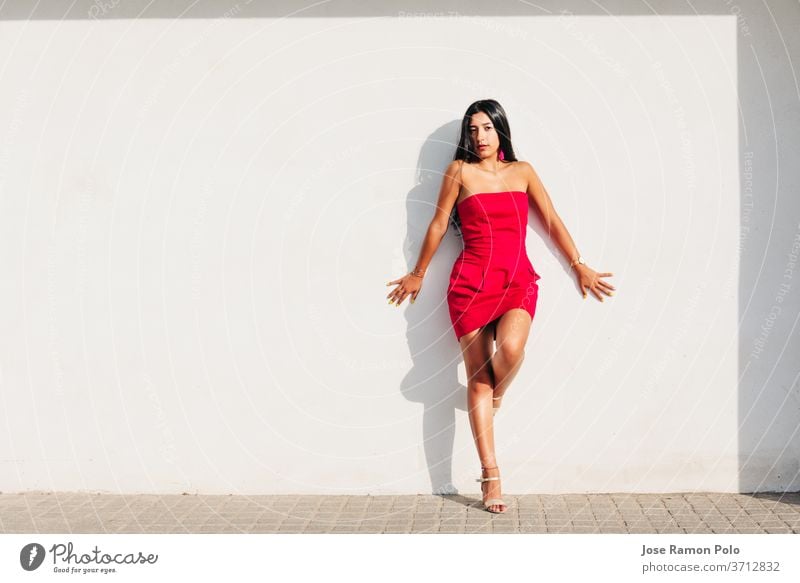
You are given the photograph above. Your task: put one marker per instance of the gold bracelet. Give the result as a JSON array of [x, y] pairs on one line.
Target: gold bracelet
[[415, 275]]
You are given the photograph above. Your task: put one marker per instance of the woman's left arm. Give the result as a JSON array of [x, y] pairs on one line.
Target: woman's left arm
[[588, 278]]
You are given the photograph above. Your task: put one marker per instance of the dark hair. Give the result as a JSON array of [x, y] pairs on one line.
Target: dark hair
[[464, 149]]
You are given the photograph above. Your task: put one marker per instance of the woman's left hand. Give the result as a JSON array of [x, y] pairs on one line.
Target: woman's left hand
[[589, 279]]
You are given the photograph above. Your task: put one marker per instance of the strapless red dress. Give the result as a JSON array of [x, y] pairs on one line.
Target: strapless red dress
[[493, 273]]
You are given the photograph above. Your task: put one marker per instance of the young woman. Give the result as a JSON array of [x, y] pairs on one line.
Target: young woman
[[493, 286]]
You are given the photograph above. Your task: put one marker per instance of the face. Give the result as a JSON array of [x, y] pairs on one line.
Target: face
[[482, 132]]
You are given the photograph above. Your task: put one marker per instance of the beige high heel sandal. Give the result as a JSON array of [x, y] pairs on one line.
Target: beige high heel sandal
[[491, 501]]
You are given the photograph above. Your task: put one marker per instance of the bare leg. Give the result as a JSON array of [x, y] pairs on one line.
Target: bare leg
[[512, 334], [476, 347]]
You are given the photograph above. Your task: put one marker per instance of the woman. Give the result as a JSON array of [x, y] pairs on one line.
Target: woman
[[493, 287]]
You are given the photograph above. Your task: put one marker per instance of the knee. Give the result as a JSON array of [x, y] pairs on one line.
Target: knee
[[512, 352], [480, 381]]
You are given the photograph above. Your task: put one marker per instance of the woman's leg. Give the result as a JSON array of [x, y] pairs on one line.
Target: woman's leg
[[512, 334], [476, 347]]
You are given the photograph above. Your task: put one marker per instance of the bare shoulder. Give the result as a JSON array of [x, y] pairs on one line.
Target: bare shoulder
[[522, 170], [527, 172], [451, 184], [523, 166], [454, 169], [454, 174]]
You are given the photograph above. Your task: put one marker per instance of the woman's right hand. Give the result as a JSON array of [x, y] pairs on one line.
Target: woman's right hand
[[409, 285]]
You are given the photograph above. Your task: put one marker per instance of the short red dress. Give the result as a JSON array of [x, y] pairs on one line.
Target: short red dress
[[493, 273]]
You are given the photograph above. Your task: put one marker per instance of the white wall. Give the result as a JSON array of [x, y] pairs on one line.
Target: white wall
[[198, 218]]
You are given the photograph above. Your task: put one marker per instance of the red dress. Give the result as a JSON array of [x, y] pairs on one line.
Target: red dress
[[493, 273]]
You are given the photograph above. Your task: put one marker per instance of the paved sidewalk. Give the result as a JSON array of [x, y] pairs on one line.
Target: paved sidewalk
[[695, 512]]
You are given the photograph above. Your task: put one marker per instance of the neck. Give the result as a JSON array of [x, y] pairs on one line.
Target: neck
[[490, 165]]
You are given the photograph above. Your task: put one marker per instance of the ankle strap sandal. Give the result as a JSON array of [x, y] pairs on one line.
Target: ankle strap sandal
[[491, 501]]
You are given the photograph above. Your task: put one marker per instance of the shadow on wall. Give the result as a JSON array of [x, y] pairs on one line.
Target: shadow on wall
[[433, 378]]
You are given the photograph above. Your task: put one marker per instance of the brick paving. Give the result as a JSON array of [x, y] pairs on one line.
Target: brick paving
[[694, 512]]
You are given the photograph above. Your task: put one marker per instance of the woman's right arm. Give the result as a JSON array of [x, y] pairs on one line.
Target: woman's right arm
[[411, 284]]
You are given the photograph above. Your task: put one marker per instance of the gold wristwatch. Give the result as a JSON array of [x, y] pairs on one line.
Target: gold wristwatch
[[578, 260]]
